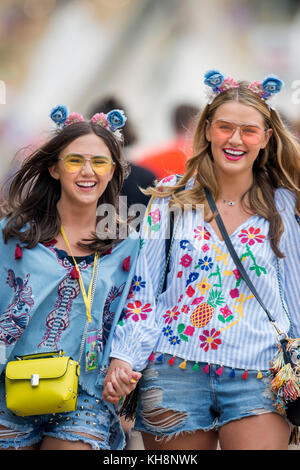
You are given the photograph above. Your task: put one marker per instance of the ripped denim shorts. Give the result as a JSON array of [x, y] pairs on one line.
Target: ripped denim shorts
[[93, 417], [198, 400]]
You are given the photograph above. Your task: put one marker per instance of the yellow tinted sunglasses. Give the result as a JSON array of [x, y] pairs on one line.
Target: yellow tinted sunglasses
[[101, 165]]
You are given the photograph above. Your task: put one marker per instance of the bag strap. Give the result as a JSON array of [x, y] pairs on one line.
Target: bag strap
[[169, 240], [236, 259], [168, 247], [163, 282]]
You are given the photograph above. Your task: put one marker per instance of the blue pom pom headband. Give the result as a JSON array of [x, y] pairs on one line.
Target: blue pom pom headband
[[112, 121], [266, 90]]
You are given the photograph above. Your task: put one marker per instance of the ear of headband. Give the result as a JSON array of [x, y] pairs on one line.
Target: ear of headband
[[217, 83], [112, 121]]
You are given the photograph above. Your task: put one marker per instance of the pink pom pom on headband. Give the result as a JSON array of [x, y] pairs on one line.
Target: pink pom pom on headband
[[112, 121], [217, 83]]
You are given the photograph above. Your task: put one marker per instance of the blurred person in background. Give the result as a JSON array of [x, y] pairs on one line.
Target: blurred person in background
[[205, 344], [170, 158], [138, 176]]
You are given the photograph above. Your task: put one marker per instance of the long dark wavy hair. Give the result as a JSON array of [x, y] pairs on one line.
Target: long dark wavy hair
[[31, 204]]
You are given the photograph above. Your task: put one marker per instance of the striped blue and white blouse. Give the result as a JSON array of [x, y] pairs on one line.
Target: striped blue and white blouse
[[207, 313]]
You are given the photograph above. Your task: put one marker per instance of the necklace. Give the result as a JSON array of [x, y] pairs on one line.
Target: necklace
[[229, 203]]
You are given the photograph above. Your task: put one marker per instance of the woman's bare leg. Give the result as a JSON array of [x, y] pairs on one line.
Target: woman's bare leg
[[10, 434], [52, 443], [198, 440], [268, 431]]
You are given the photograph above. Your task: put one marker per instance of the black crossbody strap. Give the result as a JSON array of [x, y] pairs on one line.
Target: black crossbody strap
[[233, 253], [170, 229]]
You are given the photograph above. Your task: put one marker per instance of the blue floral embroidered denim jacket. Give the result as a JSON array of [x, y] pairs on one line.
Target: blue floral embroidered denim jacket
[[42, 307]]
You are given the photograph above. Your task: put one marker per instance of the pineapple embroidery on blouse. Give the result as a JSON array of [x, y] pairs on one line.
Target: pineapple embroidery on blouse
[[204, 312]]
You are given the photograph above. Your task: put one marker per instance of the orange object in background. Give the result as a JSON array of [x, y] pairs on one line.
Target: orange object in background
[[169, 159]]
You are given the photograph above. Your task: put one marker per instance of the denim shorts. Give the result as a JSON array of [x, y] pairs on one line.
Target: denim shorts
[[93, 417], [200, 400]]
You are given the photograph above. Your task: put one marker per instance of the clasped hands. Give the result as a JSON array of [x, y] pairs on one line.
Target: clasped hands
[[120, 381]]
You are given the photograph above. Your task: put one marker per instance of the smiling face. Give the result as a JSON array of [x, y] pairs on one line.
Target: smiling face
[[84, 187], [235, 153]]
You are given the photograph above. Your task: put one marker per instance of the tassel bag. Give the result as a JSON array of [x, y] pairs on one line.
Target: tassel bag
[[285, 366], [47, 382]]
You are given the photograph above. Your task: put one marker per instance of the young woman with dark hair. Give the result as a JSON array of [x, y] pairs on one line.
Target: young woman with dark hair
[[51, 242]]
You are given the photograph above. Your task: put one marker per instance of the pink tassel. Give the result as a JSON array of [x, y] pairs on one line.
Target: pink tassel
[[219, 371], [18, 252], [151, 358], [74, 273], [206, 369], [171, 361], [126, 264]]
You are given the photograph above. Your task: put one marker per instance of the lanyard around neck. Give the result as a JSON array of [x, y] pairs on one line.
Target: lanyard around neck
[[86, 297]]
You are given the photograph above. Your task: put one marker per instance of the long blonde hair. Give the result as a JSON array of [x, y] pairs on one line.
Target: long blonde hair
[[277, 166]]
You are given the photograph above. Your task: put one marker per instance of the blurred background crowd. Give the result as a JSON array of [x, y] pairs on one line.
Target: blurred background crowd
[[145, 56]]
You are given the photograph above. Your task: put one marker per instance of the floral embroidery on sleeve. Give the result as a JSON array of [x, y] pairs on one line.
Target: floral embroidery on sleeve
[[137, 311], [171, 315], [154, 220], [138, 283], [168, 179]]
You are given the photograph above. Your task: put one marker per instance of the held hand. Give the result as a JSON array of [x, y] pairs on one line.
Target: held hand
[[119, 381]]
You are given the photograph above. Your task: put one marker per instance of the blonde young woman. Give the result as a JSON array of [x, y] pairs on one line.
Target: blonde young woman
[[205, 344]]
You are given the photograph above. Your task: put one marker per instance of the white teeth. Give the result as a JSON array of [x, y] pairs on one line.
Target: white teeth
[[86, 185], [234, 152]]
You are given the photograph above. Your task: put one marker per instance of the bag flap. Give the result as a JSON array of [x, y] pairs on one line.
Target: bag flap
[[46, 368]]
